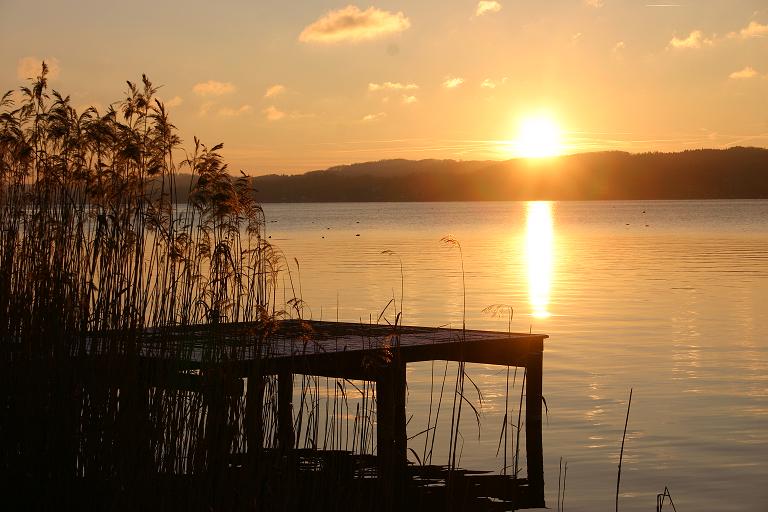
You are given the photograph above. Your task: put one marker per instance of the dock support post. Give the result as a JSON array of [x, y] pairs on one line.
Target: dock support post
[[533, 437], [254, 413], [285, 434], [391, 437]]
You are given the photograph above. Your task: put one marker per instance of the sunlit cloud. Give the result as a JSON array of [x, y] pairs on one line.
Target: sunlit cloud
[[747, 72], [409, 99], [488, 84], [391, 86], [213, 88], [374, 117], [174, 102], [350, 24], [452, 82], [487, 6], [594, 3], [234, 112], [272, 113], [274, 90], [754, 29], [696, 39], [619, 47], [30, 67]]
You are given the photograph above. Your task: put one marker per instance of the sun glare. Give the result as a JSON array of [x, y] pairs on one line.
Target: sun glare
[[538, 137]]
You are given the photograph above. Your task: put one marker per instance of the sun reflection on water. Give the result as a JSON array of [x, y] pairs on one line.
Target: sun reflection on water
[[539, 256]]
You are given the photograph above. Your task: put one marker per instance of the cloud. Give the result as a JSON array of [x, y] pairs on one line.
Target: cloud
[[695, 39], [213, 88], [234, 112], [409, 99], [618, 47], [174, 102], [754, 29], [747, 72], [452, 82], [374, 117], [274, 90], [488, 84], [391, 86], [350, 24], [273, 114], [30, 67], [594, 3], [487, 6]]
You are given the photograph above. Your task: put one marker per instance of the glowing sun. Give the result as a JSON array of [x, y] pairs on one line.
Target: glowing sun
[[537, 137]]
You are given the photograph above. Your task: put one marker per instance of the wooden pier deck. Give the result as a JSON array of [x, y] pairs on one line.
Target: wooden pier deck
[[246, 354]]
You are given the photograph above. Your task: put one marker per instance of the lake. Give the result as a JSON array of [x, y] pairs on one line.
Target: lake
[[669, 298]]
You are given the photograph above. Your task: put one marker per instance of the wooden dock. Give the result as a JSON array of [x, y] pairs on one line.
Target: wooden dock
[[187, 357]]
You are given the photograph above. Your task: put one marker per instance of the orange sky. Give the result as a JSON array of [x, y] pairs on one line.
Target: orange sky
[[290, 87]]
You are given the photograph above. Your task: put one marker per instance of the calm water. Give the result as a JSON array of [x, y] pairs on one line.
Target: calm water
[[667, 297]]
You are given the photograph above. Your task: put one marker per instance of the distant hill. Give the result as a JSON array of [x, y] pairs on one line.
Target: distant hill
[[735, 173]]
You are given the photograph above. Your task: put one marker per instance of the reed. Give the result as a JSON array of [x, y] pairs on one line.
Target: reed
[[97, 251]]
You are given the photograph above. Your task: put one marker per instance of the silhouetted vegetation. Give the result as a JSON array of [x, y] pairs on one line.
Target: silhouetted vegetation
[[698, 174], [95, 253]]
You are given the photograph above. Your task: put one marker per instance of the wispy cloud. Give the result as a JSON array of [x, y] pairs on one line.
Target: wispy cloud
[[488, 84], [274, 90], [452, 82], [391, 86], [754, 29], [409, 99], [350, 24], [174, 102], [487, 6], [234, 112], [619, 47], [213, 88], [696, 39], [30, 67], [374, 117], [272, 113], [747, 72], [594, 3]]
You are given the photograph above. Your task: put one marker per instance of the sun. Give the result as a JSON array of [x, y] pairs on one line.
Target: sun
[[538, 137]]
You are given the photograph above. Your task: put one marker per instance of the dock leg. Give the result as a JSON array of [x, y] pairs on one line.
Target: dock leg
[[254, 413], [285, 434], [533, 437], [391, 438]]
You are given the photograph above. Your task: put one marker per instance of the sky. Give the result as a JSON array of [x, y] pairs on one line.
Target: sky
[[303, 85]]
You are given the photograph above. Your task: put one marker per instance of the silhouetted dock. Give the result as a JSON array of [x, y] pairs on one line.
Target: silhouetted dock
[[220, 360]]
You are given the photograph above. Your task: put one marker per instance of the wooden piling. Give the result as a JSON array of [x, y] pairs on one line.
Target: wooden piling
[[533, 404], [285, 434]]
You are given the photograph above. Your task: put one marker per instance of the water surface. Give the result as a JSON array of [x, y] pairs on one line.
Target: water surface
[[666, 297]]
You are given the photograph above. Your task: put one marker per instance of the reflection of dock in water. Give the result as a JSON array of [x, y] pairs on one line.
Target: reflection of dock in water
[[263, 465]]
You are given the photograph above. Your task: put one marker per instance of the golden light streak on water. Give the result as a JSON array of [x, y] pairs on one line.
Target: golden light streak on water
[[539, 256]]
